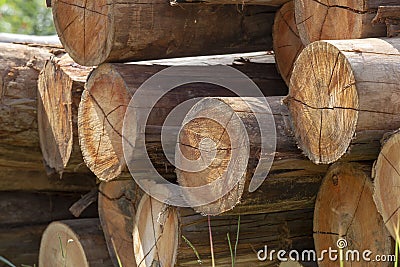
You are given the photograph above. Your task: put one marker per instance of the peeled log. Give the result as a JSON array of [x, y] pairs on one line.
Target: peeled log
[[386, 190], [98, 31], [109, 91], [286, 40], [60, 85], [292, 182], [161, 236], [19, 140], [344, 95], [338, 19], [74, 243], [118, 201], [345, 210]]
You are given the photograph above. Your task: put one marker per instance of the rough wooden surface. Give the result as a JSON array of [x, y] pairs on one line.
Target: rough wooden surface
[[97, 31], [74, 243], [109, 90], [19, 70], [339, 19], [273, 3], [344, 96], [118, 201], [292, 182], [60, 85], [386, 176], [286, 40], [390, 15], [162, 236], [345, 210]]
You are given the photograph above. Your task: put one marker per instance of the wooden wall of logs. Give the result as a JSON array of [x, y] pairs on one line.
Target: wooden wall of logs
[[329, 77]]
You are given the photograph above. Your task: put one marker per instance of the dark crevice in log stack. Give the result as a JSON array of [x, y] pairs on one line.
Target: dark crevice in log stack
[[60, 85], [292, 182], [344, 95], [345, 210], [390, 15], [118, 201], [74, 243], [95, 31], [386, 178], [271, 3], [162, 235], [108, 92], [340, 19], [286, 40]]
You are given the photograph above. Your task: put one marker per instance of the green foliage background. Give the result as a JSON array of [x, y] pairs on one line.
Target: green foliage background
[[26, 17]]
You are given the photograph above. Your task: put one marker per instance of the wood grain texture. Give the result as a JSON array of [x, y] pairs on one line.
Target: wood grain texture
[[94, 32], [292, 182], [73, 243], [286, 40], [344, 96], [345, 209], [162, 235], [109, 91], [338, 19], [386, 176], [60, 85]]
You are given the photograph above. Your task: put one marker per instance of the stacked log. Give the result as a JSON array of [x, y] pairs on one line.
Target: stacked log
[[60, 86], [292, 182], [340, 19], [386, 175], [108, 92], [101, 31], [344, 96], [346, 217], [74, 243], [168, 236]]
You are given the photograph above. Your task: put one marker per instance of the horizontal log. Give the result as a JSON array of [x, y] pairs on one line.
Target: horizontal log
[[344, 96], [292, 182], [51, 40], [111, 87], [273, 3], [122, 31]]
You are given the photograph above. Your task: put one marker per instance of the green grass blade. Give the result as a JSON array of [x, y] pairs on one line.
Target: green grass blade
[[230, 249], [4, 260], [237, 237], [211, 242], [193, 248]]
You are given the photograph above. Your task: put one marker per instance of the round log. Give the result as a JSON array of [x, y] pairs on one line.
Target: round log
[[108, 93], [289, 172], [19, 70], [386, 176], [339, 19], [345, 216], [74, 243], [168, 236], [343, 96], [287, 44], [94, 32], [118, 201], [60, 85]]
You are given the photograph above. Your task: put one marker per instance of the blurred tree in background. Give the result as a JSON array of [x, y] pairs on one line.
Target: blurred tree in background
[[26, 17]]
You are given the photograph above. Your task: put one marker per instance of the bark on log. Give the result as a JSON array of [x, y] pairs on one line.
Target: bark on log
[[94, 32], [107, 95], [339, 19], [386, 176], [292, 182], [286, 40], [60, 86], [390, 15], [345, 210], [118, 201], [74, 243], [19, 70], [168, 236], [344, 95]]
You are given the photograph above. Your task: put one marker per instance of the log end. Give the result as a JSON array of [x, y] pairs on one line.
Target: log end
[[103, 103], [323, 102]]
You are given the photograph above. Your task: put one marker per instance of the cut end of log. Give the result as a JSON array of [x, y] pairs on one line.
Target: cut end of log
[[155, 234], [85, 29], [345, 215], [323, 102], [103, 103], [386, 184]]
